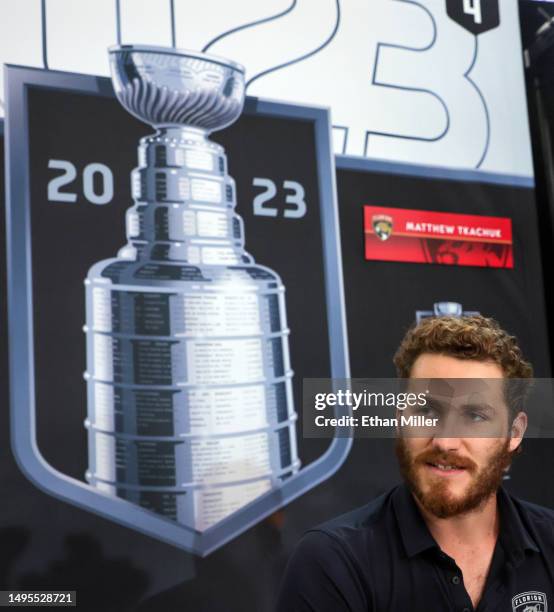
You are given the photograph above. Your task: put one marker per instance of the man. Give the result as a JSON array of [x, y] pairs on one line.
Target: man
[[450, 538]]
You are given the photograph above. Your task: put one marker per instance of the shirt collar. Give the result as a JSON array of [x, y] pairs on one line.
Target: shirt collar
[[416, 537], [414, 533], [514, 535]]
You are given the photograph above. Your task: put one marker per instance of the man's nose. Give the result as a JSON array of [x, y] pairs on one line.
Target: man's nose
[[446, 444]]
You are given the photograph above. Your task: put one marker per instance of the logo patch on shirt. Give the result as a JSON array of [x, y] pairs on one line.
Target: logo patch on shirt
[[530, 601]]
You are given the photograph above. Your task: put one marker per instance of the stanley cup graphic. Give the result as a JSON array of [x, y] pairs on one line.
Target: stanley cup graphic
[[190, 405]]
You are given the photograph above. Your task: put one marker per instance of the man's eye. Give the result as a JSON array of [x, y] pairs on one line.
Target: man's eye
[[477, 417], [426, 411]]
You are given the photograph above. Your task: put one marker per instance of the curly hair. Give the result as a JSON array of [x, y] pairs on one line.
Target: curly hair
[[477, 338]]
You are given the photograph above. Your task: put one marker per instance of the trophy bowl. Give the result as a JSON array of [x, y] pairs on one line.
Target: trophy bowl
[[167, 87]]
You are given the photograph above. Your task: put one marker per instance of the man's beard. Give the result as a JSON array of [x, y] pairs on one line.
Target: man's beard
[[437, 499]]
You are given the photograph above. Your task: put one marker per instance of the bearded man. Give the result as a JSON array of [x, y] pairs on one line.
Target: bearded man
[[450, 538]]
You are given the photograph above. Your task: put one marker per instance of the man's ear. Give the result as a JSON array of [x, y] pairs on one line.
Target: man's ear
[[517, 430]]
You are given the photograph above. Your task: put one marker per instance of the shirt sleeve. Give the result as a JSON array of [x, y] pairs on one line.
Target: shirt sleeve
[[320, 577]]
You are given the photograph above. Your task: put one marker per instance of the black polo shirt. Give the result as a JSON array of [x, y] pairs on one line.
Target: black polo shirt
[[382, 558]]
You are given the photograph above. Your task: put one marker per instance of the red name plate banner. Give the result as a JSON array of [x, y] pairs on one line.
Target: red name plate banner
[[421, 236]]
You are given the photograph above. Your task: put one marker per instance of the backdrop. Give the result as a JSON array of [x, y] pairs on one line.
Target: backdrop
[[456, 115]]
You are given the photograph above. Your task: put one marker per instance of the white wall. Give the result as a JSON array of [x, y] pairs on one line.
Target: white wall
[[395, 73]]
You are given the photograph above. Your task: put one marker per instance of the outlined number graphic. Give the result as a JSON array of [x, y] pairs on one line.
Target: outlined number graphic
[[294, 199], [476, 16]]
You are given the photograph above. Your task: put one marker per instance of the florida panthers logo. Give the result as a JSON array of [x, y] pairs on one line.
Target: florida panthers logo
[[531, 601], [382, 226]]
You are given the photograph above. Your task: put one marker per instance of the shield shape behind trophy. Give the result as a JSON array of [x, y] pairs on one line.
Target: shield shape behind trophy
[[191, 420]]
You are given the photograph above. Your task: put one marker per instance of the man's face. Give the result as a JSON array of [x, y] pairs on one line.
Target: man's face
[[453, 475]]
